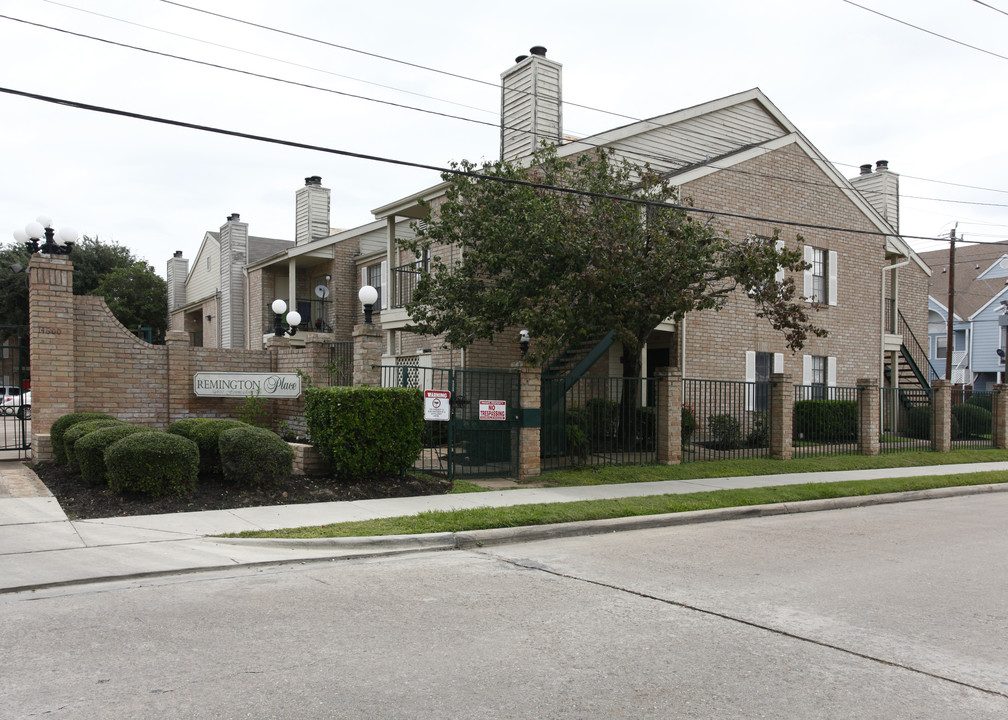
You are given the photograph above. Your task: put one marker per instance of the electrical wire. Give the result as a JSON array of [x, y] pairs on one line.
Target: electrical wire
[[991, 7]]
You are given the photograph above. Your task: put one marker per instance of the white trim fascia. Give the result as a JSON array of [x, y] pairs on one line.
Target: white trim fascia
[[399, 207], [991, 267], [987, 304], [316, 246], [944, 310]]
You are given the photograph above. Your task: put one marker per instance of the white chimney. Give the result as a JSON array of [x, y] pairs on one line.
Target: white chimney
[[233, 258], [881, 189], [531, 104], [311, 211]]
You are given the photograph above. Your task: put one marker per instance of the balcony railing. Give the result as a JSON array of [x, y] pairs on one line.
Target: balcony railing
[[404, 284], [890, 315]]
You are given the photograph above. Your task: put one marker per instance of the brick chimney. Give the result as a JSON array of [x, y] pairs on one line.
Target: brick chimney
[[881, 189], [312, 211], [233, 258], [531, 104]]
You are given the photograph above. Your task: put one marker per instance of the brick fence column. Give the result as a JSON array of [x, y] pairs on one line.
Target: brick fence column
[[999, 416], [869, 419], [781, 416], [51, 332], [529, 433], [367, 354], [180, 374], [668, 410], [941, 416]]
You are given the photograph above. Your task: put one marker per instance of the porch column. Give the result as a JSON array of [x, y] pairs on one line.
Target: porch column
[[529, 434], [292, 286], [941, 416], [868, 416], [669, 415], [781, 416]]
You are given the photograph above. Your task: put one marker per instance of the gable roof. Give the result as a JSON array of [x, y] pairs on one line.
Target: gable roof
[[972, 292]]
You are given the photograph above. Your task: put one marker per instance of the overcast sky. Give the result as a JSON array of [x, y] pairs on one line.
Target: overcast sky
[[860, 86]]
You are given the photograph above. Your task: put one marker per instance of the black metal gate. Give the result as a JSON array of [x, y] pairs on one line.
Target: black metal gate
[[15, 410], [480, 438]]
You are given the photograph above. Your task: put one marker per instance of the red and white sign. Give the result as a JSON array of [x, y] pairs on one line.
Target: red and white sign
[[493, 410], [437, 405]]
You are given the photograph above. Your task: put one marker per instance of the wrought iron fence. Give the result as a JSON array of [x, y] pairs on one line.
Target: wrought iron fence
[[825, 421], [340, 363], [724, 419], [474, 442], [404, 283], [598, 421], [906, 419], [972, 418]]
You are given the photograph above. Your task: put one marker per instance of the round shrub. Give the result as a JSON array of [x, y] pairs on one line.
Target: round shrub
[[724, 432], [918, 423], [89, 451], [982, 400], [254, 456], [152, 463], [205, 432], [688, 423], [826, 420], [64, 423], [79, 430], [974, 421]]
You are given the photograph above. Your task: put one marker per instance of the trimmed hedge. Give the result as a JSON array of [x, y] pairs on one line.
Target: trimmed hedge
[[64, 423], [78, 430], [152, 463], [365, 432], [253, 456], [205, 432], [90, 451], [983, 400], [725, 432], [919, 423], [974, 421], [826, 420]]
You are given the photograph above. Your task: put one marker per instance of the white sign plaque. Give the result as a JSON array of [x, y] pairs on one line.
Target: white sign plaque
[[493, 410], [437, 405], [263, 385]]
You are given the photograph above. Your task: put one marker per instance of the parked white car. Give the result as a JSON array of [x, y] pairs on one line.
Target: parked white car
[[16, 402]]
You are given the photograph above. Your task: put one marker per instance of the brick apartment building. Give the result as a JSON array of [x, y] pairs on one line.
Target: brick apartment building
[[738, 155]]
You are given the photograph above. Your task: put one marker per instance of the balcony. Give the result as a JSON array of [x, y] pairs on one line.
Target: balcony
[[404, 283]]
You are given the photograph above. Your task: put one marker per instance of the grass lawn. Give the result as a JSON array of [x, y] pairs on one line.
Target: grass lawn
[[540, 514]]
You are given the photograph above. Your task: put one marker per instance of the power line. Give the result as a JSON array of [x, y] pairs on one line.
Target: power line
[[991, 7], [443, 170], [925, 30]]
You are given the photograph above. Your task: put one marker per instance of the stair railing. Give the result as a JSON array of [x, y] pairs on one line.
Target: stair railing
[[924, 370]]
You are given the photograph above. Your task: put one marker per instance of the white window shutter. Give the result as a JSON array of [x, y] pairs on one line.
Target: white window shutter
[[831, 371], [363, 276], [386, 290], [779, 276], [809, 254], [832, 289], [806, 378], [778, 362], [750, 376]]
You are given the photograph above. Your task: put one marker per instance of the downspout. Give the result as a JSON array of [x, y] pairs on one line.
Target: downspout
[[248, 316]]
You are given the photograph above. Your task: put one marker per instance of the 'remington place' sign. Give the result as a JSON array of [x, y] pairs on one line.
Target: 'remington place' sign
[[263, 385]]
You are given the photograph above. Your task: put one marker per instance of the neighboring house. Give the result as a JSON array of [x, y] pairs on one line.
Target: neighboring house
[[980, 316], [737, 155]]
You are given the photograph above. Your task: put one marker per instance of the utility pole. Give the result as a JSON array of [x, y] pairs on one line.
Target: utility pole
[[949, 332]]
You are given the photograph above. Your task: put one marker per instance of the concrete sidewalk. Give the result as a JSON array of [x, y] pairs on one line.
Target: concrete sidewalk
[[40, 547]]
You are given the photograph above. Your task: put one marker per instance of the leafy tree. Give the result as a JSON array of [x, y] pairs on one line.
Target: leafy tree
[[137, 296], [94, 263], [571, 266]]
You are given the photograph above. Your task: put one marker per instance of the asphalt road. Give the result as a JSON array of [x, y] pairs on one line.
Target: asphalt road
[[894, 611]]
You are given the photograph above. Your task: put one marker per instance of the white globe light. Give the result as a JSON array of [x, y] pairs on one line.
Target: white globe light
[[35, 230], [367, 295], [293, 318], [21, 236], [279, 306], [44, 220], [67, 234]]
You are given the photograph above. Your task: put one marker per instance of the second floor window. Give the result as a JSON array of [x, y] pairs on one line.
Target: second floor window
[[374, 279], [820, 275]]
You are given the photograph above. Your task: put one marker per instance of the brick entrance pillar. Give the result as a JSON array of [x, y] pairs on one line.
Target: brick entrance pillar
[[367, 353], [51, 329], [669, 415], [781, 416], [529, 434], [941, 418], [869, 419], [1000, 416]]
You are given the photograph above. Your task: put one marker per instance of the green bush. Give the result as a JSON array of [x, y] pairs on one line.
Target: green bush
[[576, 433], [646, 419], [152, 463], [830, 421], [365, 432], [759, 436], [254, 456], [983, 400], [974, 421], [602, 421], [78, 430], [918, 424], [64, 423], [205, 432], [724, 431], [90, 451]]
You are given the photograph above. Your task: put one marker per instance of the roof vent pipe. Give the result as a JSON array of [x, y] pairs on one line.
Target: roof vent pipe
[[538, 50], [520, 58], [313, 180], [178, 253], [866, 169], [882, 165], [233, 217]]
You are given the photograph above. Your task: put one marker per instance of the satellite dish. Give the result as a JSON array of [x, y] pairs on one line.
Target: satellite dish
[[322, 291]]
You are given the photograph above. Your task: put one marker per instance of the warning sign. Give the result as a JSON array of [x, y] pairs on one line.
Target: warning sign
[[437, 405], [493, 410]]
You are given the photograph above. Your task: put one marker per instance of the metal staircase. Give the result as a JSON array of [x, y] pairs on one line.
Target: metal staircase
[[914, 368]]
